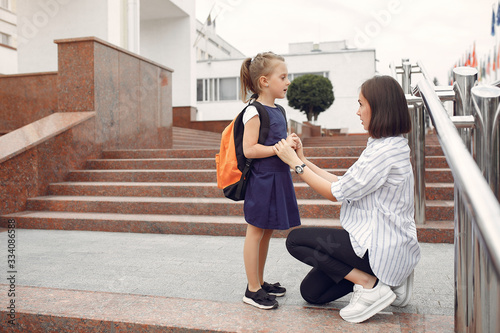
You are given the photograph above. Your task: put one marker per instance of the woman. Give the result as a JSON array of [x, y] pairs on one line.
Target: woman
[[376, 251]]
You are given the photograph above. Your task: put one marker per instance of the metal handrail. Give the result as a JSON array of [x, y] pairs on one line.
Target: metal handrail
[[483, 204]]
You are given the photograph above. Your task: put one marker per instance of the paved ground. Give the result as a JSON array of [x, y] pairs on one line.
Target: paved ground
[[194, 267]]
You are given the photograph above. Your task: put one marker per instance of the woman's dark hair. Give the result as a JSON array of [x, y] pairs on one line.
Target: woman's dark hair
[[390, 116]]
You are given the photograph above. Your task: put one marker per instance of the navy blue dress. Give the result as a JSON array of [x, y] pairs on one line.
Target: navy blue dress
[[270, 201]]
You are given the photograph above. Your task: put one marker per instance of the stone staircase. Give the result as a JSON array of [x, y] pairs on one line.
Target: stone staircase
[[174, 191]]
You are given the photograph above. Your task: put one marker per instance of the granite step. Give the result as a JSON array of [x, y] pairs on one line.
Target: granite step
[[346, 151], [209, 163], [430, 232], [432, 175], [188, 138], [434, 191], [436, 210], [142, 176], [159, 153]]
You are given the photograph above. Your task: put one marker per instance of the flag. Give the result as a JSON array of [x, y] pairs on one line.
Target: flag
[[474, 58], [498, 57], [493, 21], [498, 14], [494, 62]]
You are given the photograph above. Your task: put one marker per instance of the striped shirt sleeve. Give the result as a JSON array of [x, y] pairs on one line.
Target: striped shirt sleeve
[[365, 176]]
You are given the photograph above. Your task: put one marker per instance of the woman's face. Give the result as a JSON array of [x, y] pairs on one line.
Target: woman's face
[[364, 111]]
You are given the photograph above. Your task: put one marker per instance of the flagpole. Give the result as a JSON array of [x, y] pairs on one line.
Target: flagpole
[[495, 22]]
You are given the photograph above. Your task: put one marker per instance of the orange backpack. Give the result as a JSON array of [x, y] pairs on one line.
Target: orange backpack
[[232, 166]]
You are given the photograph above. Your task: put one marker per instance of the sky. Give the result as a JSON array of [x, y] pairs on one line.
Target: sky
[[435, 32]]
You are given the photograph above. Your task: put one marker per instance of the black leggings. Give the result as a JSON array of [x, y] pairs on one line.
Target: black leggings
[[330, 253]]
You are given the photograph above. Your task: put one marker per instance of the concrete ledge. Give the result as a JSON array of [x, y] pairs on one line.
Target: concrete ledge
[[48, 309], [41, 153], [26, 137]]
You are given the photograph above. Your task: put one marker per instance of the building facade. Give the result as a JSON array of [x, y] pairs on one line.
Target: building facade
[[8, 37], [206, 67], [218, 83], [210, 46], [161, 30]]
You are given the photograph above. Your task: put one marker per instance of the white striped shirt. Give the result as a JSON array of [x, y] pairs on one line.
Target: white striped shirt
[[377, 208]]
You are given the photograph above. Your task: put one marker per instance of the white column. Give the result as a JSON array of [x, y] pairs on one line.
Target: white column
[[134, 21]]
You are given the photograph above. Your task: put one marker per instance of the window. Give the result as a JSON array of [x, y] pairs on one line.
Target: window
[[199, 90], [217, 89], [4, 39], [228, 89]]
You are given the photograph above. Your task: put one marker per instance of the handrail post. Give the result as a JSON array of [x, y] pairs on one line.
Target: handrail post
[[416, 141], [406, 79], [486, 143], [486, 100], [464, 79], [417, 144]]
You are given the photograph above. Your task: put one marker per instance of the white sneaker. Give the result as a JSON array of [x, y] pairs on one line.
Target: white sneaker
[[403, 292], [365, 303]]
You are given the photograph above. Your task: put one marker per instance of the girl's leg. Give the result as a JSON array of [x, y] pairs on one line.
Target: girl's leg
[[251, 250], [263, 250]]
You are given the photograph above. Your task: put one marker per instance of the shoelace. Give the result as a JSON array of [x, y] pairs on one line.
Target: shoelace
[[358, 290]]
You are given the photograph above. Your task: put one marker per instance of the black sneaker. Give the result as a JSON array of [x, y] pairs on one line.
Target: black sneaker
[[274, 289], [260, 299]]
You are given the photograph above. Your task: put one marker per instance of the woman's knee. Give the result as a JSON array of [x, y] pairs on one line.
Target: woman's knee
[[309, 294], [292, 240]]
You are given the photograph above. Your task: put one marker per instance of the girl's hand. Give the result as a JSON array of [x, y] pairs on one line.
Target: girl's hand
[[292, 140], [286, 153]]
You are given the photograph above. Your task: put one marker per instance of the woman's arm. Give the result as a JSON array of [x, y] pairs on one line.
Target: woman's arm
[[320, 182], [316, 169]]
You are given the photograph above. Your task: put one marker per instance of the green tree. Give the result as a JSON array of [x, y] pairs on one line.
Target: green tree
[[310, 94]]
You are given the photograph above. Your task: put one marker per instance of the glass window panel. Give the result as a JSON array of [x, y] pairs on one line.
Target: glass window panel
[[228, 89], [199, 90]]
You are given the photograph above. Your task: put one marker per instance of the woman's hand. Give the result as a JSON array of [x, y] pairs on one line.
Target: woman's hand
[[300, 150], [286, 153]]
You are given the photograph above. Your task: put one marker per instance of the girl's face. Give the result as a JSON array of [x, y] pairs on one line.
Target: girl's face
[[278, 80], [364, 111]]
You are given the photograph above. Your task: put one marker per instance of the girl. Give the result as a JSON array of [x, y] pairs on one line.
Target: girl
[[270, 201], [377, 247]]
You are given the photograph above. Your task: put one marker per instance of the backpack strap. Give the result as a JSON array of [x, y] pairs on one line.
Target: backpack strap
[[245, 164], [264, 121], [282, 109]]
